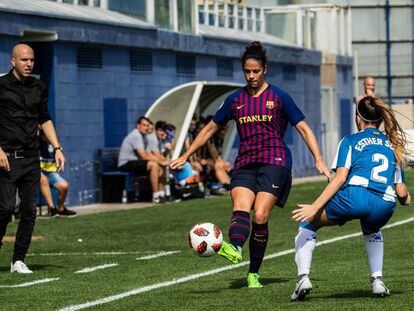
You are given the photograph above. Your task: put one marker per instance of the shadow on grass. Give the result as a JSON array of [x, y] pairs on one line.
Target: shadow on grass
[[242, 282], [355, 294], [32, 267]]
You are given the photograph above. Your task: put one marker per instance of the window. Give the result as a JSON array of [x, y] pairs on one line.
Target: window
[[89, 57], [162, 13], [140, 60], [289, 73], [185, 64], [129, 7], [224, 67], [185, 16]]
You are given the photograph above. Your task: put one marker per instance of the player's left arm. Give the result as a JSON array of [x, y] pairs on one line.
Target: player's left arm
[[310, 140], [50, 133], [401, 190], [306, 212]]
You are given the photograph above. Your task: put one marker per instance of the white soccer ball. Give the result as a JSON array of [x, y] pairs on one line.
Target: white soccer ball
[[205, 239]]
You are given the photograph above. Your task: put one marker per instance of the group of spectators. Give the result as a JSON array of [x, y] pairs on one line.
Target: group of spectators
[[147, 149]]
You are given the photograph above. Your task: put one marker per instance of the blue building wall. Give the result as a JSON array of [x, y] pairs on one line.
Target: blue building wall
[[345, 94], [84, 97]]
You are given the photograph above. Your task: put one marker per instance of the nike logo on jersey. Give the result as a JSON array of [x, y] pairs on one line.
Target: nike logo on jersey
[[240, 107], [275, 187]]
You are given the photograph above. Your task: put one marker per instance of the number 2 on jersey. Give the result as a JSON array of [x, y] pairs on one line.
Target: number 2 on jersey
[[382, 167]]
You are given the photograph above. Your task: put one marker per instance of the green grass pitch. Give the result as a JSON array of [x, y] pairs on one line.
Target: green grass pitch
[[340, 272]]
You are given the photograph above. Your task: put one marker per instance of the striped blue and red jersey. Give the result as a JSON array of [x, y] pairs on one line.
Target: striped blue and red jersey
[[261, 123]]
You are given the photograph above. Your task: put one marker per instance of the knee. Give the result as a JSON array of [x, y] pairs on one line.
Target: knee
[[260, 217], [241, 206], [63, 186], [152, 165]]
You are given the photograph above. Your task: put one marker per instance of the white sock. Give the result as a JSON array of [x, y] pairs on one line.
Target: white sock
[[162, 193], [155, 194], [305, 242], [374, 245]]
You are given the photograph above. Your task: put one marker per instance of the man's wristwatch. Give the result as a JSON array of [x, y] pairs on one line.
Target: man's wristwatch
[[58, 148]]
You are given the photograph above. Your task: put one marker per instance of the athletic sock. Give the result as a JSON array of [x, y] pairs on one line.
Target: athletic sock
[[305, 242], [257, 244], [239, 228], [374, 245]]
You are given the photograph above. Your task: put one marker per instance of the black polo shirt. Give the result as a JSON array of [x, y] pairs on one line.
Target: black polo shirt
[[23, 106]]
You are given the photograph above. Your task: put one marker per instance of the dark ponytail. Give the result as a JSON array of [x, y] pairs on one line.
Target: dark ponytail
[[374, 110]]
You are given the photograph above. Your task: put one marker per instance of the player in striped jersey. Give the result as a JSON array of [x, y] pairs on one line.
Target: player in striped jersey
[[368, 169], [262, 172]]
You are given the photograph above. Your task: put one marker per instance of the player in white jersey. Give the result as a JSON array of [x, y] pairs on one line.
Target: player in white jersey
[[368, 180]]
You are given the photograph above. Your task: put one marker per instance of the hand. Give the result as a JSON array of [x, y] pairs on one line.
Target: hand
[[165, 162], [405, 200], [60, 160], [305, 212], [369, 92], [323, 169], [4, 161], [408, 200], [178, 163]]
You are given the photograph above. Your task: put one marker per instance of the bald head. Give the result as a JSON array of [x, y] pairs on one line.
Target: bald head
[[22, 61], [369, 86]]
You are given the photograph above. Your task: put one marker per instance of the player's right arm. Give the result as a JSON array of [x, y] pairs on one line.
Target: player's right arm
[[205, 134], [221, 117]]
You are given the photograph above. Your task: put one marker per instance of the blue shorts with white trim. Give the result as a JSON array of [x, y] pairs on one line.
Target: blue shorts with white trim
[[355, 202]]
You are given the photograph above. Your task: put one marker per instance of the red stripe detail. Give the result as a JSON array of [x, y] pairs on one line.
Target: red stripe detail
[[237, 235], [239, 225], [261, 231]]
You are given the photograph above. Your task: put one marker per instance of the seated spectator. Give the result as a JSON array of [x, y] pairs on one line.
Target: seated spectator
[[135, 157], [212, 163], [158, 141], [51, 177]]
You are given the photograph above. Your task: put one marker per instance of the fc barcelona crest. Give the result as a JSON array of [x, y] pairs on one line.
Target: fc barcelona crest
[[270, 104]]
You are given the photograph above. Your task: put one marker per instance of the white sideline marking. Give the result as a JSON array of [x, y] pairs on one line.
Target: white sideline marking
[[91, 269], [160, 254], [30, 283], [87, 254], [191, 277]]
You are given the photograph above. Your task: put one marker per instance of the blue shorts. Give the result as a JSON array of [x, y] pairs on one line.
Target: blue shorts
[[53, 177], [273, 179], [355, 202]]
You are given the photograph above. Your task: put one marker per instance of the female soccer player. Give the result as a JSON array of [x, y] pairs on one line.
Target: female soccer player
[[262, 172], [367, 165]]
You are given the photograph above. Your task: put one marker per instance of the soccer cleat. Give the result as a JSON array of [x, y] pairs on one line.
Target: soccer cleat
[[378, 288], [253, 280], [20, 267], [303, 288], [229, 252]]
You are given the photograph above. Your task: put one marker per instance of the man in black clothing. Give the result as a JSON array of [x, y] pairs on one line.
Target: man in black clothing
[[23, 106]]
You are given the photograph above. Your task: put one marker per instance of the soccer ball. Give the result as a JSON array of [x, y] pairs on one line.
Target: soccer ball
[[205, 239]]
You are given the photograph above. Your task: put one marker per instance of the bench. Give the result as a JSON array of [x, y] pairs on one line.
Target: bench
[[113, 182]]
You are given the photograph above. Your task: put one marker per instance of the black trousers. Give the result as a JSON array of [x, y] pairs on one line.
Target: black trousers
[[24, 176]]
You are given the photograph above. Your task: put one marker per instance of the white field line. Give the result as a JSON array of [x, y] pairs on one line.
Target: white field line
[[30, 283], [191, 277], [91, 269], [160, 254], [89, 254]]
